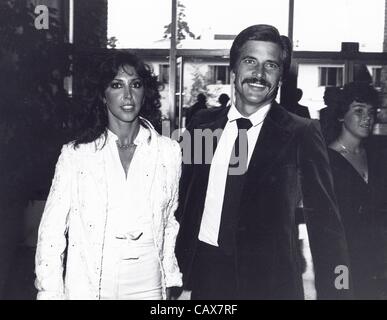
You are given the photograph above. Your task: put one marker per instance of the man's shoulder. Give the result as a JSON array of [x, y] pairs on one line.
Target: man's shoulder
[[291, 118], [208, 115]]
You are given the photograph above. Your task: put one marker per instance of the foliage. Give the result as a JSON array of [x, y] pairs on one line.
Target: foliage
[[112, 42], [199, 85], [183, 30], [33, 103]]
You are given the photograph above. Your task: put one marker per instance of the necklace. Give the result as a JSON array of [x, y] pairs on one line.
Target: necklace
[[123, 146], [347, 150]]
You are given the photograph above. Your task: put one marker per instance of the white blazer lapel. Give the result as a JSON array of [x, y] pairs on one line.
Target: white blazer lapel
[[97, 169]]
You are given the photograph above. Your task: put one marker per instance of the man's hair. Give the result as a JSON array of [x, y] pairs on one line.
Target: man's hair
[[262, 32]]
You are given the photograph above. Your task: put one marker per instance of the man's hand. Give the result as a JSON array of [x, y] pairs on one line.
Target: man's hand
[[177, 293], [185, 295], [168, 292]]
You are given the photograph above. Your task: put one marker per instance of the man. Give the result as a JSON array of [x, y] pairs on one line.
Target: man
[[237, 237]]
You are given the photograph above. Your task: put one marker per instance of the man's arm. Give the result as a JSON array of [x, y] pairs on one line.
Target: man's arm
[[326, 233]]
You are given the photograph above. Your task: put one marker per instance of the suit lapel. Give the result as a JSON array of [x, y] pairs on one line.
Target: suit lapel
[[276, 133], [150, 165], [98, 172], [217, 124]]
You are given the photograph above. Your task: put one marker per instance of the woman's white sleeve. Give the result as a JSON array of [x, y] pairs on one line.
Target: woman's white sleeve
[[52, 234], [173, 276]]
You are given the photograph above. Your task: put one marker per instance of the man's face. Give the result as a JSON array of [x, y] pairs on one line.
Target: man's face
[[257, 75]]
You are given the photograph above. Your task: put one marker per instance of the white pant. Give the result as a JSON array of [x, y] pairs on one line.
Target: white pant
[[138, 274]]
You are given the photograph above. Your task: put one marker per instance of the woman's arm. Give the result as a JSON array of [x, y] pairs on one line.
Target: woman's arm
[[51, 244], [173, 277]]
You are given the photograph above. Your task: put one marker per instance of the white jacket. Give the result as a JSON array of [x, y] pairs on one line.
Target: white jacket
[[75, 216]]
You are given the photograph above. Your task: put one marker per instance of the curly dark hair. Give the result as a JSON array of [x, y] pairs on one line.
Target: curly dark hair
[[262, 32], [96, 122], [359, 92], [354, 91]]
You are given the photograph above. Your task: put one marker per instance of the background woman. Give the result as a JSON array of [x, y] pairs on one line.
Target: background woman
[[110, 211], [360, 185]]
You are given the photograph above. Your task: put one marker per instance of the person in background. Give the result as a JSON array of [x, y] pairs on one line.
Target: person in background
[[360, 181], [328, 114], [108, 228], [200, 104], [223, 100], [295, 107]]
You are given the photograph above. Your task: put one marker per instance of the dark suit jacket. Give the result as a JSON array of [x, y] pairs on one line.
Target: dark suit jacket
[[289, 154]]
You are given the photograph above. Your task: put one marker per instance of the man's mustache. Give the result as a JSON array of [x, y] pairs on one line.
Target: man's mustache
[[256, 80]]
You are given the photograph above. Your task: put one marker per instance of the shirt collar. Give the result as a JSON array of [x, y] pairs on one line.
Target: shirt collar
[[143, 136], [256, 118]]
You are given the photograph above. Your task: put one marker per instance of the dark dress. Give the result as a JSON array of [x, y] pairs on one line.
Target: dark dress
[[363, 210]]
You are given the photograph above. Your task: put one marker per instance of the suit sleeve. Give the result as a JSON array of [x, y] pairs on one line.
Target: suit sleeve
[[326, 234], [51, 244]]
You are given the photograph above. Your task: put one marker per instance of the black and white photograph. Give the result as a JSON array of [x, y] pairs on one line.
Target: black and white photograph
[[201, 150]]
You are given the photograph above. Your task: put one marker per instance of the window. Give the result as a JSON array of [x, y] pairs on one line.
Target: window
[[331, 76], [376, 77], [314, 20], [219, 74], [164, 73], [138, 32], [207, 18]]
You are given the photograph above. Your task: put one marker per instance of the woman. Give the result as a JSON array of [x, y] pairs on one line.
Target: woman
[[109, 224], [360, 185]]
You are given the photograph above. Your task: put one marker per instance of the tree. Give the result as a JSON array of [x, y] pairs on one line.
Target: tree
[[112, 42], [183, 30], [199, 85]]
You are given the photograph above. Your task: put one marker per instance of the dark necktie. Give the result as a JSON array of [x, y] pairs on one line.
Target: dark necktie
[[234, 186]]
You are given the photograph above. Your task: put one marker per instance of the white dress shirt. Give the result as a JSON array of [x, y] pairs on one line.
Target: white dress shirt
[[209, 228], [129, 217]]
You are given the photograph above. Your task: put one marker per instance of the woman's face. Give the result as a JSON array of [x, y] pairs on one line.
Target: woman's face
[[124, 96], [359, 119]]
